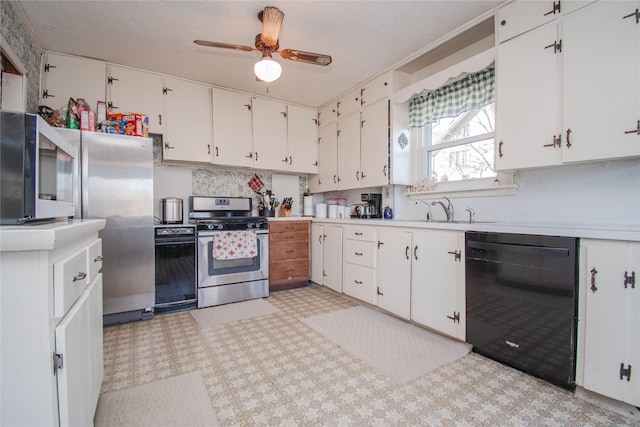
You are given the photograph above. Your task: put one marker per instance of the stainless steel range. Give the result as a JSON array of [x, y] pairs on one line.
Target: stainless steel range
[[233, 250]]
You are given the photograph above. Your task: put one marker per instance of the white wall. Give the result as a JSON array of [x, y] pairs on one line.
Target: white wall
[[596, 193]]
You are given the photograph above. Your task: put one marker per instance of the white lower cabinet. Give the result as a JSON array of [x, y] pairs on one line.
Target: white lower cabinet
[[612, 318], [326, 256], [359, 258], [437, 281], [52, 363], [393, 271]]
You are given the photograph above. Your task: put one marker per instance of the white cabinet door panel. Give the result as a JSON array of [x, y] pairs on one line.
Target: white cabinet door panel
[[374, 145], [393, 271], [521, 16], [270, 134], [349, 151], [332, 258], [232, 128], [327, 177], [302, 138], [317, 239]]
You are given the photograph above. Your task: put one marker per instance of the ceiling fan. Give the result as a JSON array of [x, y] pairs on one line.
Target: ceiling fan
[[267, 42]]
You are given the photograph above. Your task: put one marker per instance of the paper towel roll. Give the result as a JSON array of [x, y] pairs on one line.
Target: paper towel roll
[[321, 210]]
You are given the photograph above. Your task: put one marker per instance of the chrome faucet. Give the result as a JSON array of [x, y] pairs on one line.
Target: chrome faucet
[[429, 216], [448, 209]]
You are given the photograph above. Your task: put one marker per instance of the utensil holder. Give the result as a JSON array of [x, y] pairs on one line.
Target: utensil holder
[[267, 212]]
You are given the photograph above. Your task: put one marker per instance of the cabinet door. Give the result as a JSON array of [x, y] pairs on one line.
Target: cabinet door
[[349, 151], [521, 16], [327, 177], [332, 258], [601, 97], [349, 103], [437, 294], [393, 271], [317, 239], [302, 138], [188, 134], [65, 77], [375, 90], [327, 114], [612, 321], [374, 145], [270, 134], [527, 101], [232, 128], [77, 342], [136, 92]]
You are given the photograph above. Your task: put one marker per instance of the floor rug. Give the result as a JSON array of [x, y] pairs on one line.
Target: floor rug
[[398, 349], [221, 314], [177, 401]]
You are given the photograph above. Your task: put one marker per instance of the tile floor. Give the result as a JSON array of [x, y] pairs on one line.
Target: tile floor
[[274, 370]]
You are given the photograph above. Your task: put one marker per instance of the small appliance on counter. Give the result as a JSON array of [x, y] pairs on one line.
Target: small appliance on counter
[[171, 209], [370, 207]]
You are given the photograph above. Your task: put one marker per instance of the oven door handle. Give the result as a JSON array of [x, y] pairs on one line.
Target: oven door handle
[[168, 242]]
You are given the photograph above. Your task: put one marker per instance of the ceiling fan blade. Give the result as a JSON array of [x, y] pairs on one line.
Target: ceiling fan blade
[[307, 57], [224, 45], [271, 18]]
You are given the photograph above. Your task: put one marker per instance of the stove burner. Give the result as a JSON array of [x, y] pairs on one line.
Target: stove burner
[[232, 223]]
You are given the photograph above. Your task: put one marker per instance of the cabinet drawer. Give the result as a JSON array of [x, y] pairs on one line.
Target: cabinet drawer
[[294, 236], [70, 277], [359, 282], [288, 226], [361, 253], [94, 259], [289, 270], [281, 251], [354, 232]]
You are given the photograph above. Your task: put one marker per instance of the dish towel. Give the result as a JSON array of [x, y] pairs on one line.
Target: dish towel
[[235, 244]]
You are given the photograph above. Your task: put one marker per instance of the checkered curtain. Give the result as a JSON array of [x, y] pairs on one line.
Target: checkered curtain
[[474, 90]]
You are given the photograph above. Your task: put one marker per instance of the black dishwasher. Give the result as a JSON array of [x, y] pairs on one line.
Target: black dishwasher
[[521, 302], [175, 268]]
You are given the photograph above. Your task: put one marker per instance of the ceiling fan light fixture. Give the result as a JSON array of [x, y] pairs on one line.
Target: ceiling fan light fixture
[[267, 69], [271, 22]]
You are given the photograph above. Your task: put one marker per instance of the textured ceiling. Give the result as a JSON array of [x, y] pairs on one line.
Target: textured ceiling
[[363, 37]]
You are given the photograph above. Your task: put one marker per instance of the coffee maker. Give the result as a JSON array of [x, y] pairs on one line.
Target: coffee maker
[[372, 203]]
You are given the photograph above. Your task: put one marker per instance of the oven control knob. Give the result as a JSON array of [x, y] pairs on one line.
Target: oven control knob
[[251, 225], [211, 226]]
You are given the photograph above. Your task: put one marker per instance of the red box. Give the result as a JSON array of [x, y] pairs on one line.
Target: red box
[[87, 120]]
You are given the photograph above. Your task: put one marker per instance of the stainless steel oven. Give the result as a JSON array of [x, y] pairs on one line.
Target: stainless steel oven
[[223, 280]]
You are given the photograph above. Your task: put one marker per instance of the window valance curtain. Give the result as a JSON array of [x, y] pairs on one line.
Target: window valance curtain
[[474, 90]]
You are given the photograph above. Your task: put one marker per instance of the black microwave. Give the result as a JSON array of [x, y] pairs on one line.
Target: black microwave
[[36, 170]]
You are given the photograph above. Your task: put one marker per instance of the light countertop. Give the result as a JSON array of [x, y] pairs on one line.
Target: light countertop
[[629, 232], [47, 236]]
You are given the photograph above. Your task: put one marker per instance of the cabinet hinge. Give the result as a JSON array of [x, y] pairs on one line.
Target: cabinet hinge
[[57, 362], [455, 317], [630, 280], [48, 67], [625, 372], [457, 255], [635, 14], [556, 8], [110, 80], [557, 46]]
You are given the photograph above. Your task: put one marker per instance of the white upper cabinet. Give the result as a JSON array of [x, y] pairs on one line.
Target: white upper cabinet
[[328, 114], [375, 90], [232, 128], [302, 138], [349, 103], [374, 144], [601, 82], [327, 177], [349, 151], [188, 135], [527, 101], [136, 91], [521, 16], [64, 77], [270, 134]]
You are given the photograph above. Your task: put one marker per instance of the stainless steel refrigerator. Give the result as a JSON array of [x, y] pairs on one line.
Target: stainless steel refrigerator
[[116, 184]]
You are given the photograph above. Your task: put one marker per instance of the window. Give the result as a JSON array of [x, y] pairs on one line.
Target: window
[[459, 148]]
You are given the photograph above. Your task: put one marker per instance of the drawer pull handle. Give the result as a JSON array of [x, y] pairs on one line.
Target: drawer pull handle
[[358, 253], [289, 252], [98, 258], [290, 271], [358, 282], [358, 234], [79, 276]]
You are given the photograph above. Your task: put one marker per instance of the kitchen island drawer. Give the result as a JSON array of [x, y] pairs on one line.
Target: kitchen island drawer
[[282, 251], [361, 253], [70, 277]]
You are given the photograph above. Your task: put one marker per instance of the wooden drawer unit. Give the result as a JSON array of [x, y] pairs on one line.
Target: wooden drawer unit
[[289, 254]]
